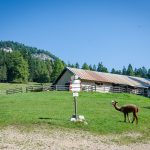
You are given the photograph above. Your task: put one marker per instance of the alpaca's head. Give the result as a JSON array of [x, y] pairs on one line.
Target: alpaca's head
[[113, 102]]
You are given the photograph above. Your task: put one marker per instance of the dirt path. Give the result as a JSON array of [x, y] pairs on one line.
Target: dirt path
[[12, 138]]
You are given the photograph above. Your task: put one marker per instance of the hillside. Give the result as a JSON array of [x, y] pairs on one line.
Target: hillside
[[20, 63], [9, 46]]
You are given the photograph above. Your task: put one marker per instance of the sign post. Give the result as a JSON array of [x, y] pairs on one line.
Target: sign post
[[75, 87], [75, 107]]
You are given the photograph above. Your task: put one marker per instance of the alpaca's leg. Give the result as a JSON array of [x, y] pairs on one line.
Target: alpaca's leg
[[133, 117], [128, 117], [136, 118], [124, 117]]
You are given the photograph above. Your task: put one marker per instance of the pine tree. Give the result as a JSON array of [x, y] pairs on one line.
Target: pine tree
[[113, 71], [144, 72], [101, 68], [85, 66], [90, 66], [124, 70], [130, 71], [94, 67], [138, 72], [77, 65]]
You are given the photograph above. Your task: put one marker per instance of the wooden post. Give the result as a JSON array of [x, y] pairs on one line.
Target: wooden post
[[75, 107], [56, 88]]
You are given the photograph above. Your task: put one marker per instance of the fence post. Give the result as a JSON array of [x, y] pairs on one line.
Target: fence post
[[56, 88]]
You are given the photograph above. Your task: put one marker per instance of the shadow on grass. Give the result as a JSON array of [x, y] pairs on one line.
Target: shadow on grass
[[147, 107], [122, 121], [49, 118], [45, 118], [51, 121]]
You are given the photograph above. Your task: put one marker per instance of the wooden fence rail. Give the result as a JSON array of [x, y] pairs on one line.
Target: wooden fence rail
[[13, 91], [93, 88], [47, 88]]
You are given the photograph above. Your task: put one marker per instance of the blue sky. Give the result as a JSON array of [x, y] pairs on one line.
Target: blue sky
[[115, 32]]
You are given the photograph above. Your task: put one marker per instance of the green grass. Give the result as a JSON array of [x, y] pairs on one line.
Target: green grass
[[54, 109], [5, 86]]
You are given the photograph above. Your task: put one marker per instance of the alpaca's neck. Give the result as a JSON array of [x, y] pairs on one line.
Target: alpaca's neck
[[117, 108]]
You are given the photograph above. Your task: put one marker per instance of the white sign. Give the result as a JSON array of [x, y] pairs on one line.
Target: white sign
[[75, 84], [75, 87], [75, 94]]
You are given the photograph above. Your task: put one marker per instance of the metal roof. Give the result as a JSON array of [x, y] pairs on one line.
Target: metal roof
[[110, 78]]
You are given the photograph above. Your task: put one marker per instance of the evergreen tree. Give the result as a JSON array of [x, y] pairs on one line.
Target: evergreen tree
[[90, 66], [94, 67], [130, 71], [124, 70], [113, 71], [77, 65], [118, 72], [69, 65], [144, 72], [101, 68], [138, 72], [85, 66]]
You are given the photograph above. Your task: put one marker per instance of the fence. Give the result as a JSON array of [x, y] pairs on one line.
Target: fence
[[115, 89], [13, 91], [93, 88], [47, 88]]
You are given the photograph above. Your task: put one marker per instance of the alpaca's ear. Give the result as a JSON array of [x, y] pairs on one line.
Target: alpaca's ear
[[112, 101]]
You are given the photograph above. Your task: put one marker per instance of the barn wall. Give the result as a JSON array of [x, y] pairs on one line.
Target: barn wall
[[65, 78], [149, 92], [105, 87]]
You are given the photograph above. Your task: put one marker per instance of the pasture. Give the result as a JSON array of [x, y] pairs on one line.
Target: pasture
[[53, 109]]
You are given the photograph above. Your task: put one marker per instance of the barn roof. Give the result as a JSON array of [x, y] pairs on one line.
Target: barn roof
[[110, 78]]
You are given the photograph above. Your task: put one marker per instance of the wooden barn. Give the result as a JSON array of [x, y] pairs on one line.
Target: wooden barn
[[104, 82]]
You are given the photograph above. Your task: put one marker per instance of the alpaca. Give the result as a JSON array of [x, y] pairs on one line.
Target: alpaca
[[127, 109]]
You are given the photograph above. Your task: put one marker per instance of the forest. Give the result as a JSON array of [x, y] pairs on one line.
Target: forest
[[22, 64]]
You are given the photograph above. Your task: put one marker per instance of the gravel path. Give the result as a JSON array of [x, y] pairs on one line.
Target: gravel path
[[40, 138]]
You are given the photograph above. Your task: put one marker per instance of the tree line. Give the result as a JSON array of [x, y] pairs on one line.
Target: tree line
[[15, 67], [130, 71], [21, 66]]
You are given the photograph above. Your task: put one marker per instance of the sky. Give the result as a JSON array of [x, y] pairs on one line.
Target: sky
[[114, 32]]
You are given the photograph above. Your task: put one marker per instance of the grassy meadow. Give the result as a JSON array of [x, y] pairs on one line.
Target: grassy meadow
[[6, 86], [54, 109]]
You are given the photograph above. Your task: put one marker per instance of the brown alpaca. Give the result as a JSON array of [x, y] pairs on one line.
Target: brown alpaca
[[127, 109]]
